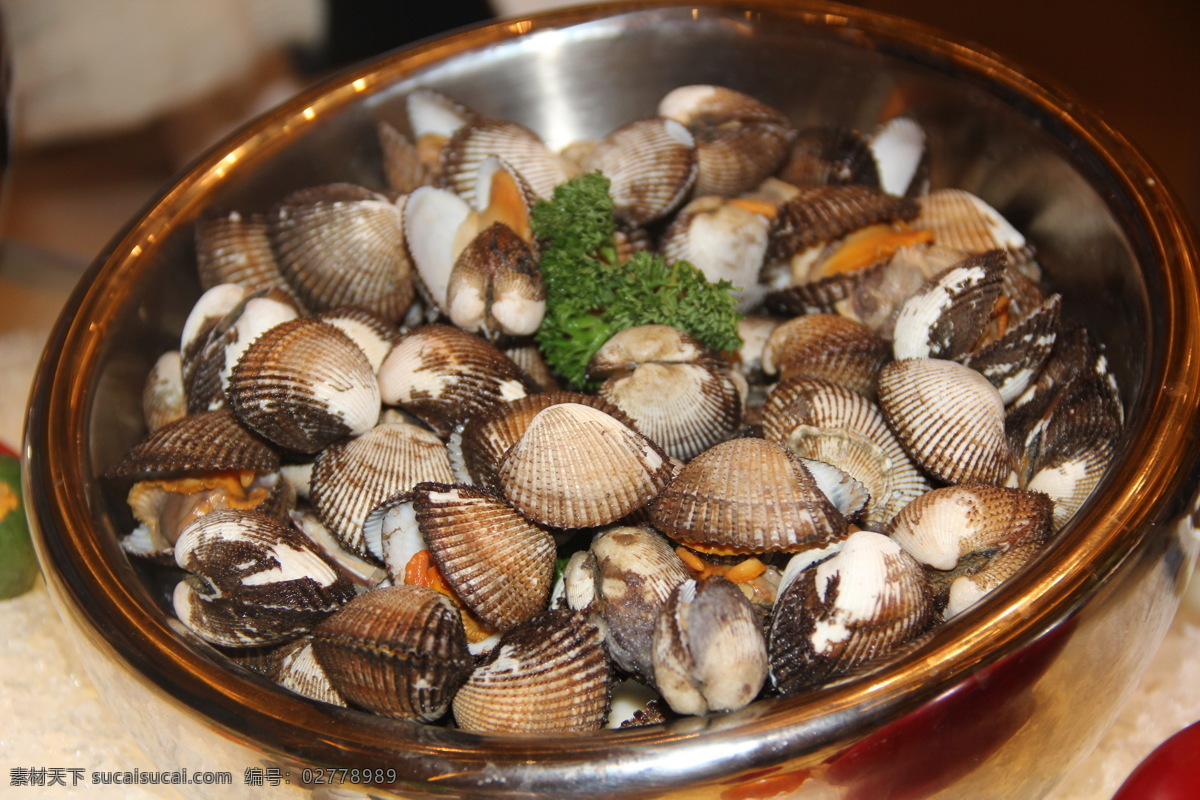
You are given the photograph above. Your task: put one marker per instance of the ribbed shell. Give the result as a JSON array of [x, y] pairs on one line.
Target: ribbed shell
[[830, 155], [399, 651], [548, 675], [254, 580], [529, 157], [373, 334], [847, 613], [299, 671], [202, 344], [824, 213], [1004, 527], [305, 385], [739, 140], [748, 496], [950, 313], [342, 244], [949, 419], [351, 478], [965, 222], [1012, 362], [163, 398], [651, 166], [210, 441], [498, 563], [1070, 479], [232, 248], [683, 408], [577, 467], [826, 346], [709, 650], [444, 376], [487, 437], [495, 287], [403, 167]]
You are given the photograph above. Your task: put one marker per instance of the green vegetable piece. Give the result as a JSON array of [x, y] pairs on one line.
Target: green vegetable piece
[[18, 563], [590, 297]]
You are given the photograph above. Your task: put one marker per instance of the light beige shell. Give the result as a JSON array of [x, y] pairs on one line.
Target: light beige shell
[[747, 496], [351, 478], [577, 467], [826, 346], [444, 376], [651, 167], [846, 613], [305, 385], [548, 675], [340, 245], [641, 344], [498, 563], [462, 155], [403, 167], [163, 397], [965, 222], [992, 531], [399, 651], [949, 418], [683, 408]]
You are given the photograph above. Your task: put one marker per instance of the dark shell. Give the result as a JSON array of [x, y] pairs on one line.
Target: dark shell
[[829, 347], [949, 314], [232, 248], [825, 213], [399, 651], [830, 155], [209, 441], [1012, 361]]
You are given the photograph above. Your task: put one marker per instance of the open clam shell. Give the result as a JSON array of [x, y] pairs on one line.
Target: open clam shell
[[497, 562], [304, 385], [253, 580], [549, 674], [747, 496], [964, 222], [847, 612], [399, 651], [825, 213], [577, 467], [472, 143]]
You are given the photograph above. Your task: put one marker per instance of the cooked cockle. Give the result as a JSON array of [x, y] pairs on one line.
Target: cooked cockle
[[304, 385], [253, 580], [651, 165], [948, 314], [549, 674], [478, 139], [235, 248], [374, 335], [962, 221], [294, 666], [191, 467], [403, 168], [845, 612], [709, 653], [977, 535], [826, 346], [399, 651]]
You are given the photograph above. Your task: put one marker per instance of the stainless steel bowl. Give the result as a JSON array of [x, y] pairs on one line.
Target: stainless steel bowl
[[999, 703]]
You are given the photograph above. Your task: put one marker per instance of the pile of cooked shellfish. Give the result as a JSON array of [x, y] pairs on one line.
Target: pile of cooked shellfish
[[377, 493]]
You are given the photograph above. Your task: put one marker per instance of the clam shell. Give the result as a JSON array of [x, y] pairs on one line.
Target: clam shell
[[709, 650], [847, 613], [340, 245], [495, 287], [642, 344], [206, 331], [299, 671], [949, 418], [1001, 526], [547, 675], [403, 167], [304, 385], [739, 140], [529, 359], [965, 222], [901, 153], [163, 398], [826, 422], [829, 347], [683, 408], [1012, 362], [235, 248], [651, 166], [1069, 479], [399, 651], [210, 441], [576, 467], [253, 581], [472, 143], [444, 376], [438, 225], [825, 213], [352, 477], [725, 240], [830, 155], [487, 437], [498, 563], [747, 496], [949, 314], [373, 334]]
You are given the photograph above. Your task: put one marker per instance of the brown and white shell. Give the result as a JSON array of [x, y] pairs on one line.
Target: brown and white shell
[[747, 495], [497, 562], [965, 222], [495, 287], [1013, 360], [163, 397], [403, 167], [444, 376], [949, 418], [399, 651], [373, 334], [901, 150], [846, 613], [825, 213], [642, 344], [578, 467], [709, 650], [351, 478], [297, 669], [980, 535], [235, 248], [824, 155], [651, 166], [472, 143], [342, 244], [253, 580], [829, 347], [948, 315], [548, 675], [304, 384]]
